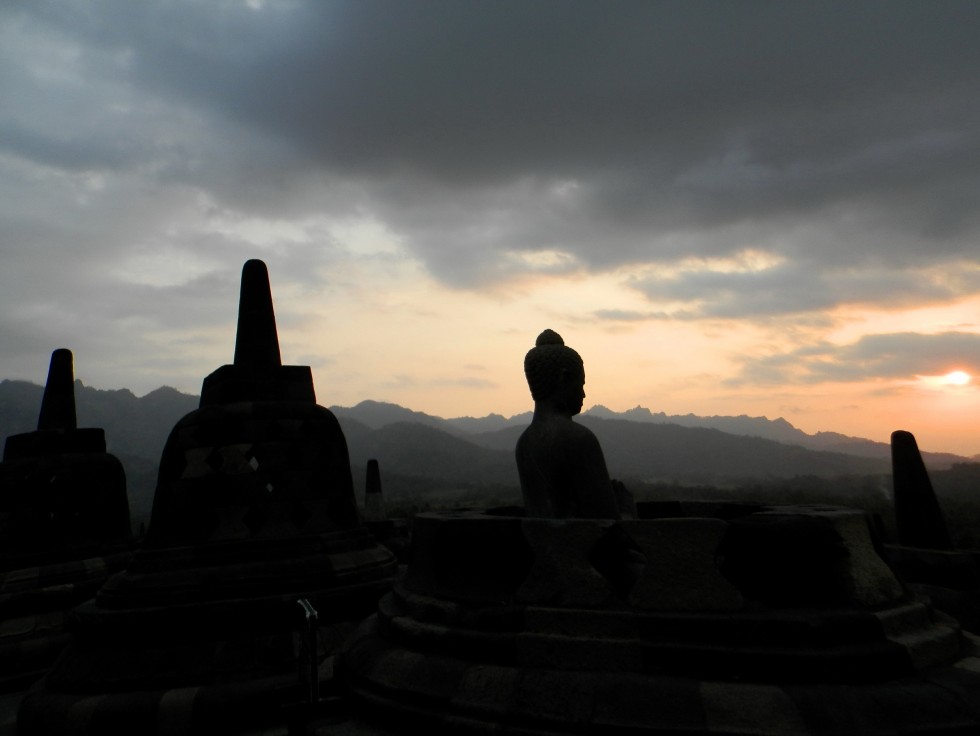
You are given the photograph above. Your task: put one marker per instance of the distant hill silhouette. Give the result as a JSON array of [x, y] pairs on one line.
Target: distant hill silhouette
[[771, 429], [133, 425], [378, 414], [420, 453], [666, 452], [774, 429], [136, 428]]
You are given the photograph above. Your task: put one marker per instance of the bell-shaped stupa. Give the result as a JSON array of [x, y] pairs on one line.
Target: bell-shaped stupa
[[64, 526], [254, 511]]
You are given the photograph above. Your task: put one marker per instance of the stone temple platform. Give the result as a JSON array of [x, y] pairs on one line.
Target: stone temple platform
[[697, 618], [254, 510]]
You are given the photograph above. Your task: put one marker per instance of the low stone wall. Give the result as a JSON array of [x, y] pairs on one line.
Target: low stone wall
[[749, 620]]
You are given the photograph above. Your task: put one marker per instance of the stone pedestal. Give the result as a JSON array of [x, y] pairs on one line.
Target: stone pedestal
[[696, 618], [948, 578]]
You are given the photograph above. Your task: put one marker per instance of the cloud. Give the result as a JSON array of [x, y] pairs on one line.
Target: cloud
[[900, 355], [148, 148], [631, 133], [623, 315], [470, 383]]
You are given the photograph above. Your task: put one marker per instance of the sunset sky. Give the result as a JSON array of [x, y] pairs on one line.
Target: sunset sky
[[760, 208]]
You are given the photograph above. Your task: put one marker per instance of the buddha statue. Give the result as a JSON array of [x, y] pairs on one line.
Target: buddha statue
[[561, 466]]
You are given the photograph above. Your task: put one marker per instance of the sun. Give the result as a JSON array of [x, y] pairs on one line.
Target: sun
[[956, 378]]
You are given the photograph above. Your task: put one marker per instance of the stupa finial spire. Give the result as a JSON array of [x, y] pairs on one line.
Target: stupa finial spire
[[257, 342], [58, 404]]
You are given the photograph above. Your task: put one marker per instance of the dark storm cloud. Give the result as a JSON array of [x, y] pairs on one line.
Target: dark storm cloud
[[614, 133], [71, 154], [894, 355]]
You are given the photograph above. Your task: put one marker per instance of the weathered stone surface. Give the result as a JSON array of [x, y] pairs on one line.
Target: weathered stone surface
[[872, 582], [562, 573], [554, 697], [828, 651], [819, 557], [681, 572], [487, 690], [487, 560], [746, 708]]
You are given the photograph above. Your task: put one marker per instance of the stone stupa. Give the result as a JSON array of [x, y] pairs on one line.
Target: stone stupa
[[64, 526], [254, 511]]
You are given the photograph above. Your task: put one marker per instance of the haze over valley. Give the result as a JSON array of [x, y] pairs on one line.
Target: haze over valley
[[429, 461]]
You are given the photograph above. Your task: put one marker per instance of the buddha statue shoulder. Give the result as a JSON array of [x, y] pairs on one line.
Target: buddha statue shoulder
[[561, 466]]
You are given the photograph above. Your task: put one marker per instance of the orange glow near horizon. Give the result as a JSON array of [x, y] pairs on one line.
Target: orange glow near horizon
[[389, 332], [453, 353]]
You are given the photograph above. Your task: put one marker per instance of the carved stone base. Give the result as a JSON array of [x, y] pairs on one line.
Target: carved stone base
[[754, 620]]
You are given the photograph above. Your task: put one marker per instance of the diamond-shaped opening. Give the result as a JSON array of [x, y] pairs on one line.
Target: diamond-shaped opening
[[299, 515], [255, 519], [203, 525], [253, 463], [214, 459], [618, 559]]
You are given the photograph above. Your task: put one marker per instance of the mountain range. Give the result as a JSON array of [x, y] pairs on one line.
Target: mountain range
[[377, 414], [423, 454]]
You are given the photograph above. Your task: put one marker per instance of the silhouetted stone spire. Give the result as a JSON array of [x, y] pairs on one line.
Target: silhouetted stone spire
[[918, 517], [374, 505], [257, 342], [58, 404], [257, 373], [57, 425]]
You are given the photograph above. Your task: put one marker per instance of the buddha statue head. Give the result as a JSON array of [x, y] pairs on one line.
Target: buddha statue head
[[555, 374]]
